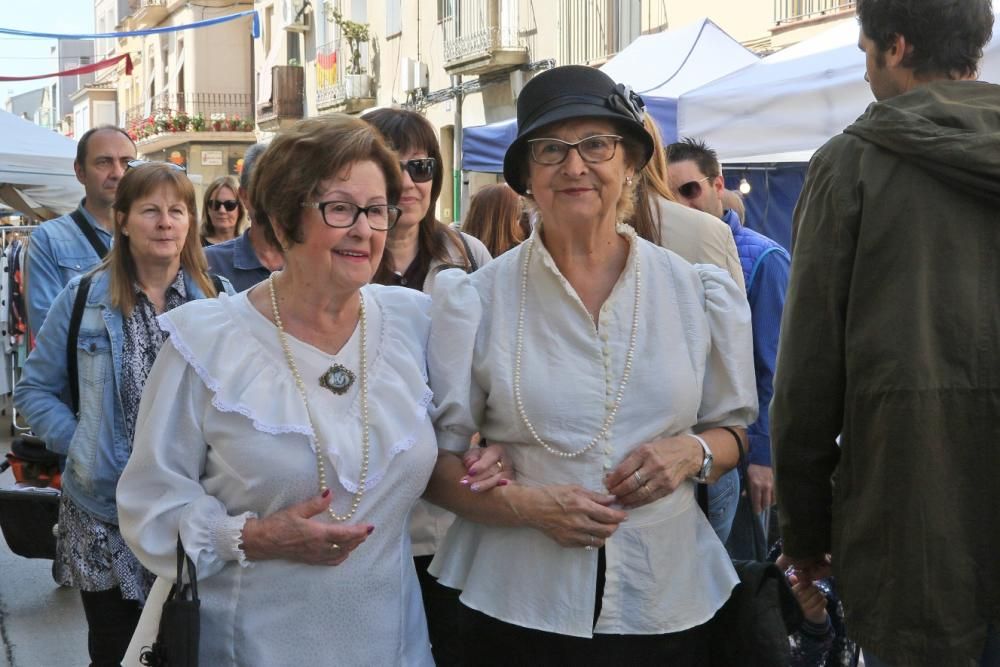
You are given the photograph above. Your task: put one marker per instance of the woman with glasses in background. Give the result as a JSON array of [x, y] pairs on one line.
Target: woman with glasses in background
[[418, 248], [222, 214], [289, 426], [155, 264]]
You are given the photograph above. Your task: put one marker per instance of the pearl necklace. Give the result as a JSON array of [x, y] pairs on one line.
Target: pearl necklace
[[609, 418], [366, 442]]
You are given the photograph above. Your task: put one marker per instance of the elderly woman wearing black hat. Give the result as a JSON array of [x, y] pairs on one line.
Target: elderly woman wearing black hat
[[617, 375]]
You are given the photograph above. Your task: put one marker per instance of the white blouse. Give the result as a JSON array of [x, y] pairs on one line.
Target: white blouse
[[666, 570], [224, 435]]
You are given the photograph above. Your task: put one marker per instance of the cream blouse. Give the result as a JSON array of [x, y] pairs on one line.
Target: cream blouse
[[666, 570]]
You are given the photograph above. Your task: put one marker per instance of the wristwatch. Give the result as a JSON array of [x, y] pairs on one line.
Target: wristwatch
[[706, 462]]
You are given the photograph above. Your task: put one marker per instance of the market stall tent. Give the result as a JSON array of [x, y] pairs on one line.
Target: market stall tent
[[660, 67], [36, 169]]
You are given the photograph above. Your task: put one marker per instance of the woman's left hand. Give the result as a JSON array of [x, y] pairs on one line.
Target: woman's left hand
[[487, 467], [654, 470]]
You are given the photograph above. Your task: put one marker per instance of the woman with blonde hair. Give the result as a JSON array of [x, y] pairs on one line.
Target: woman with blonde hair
[[155, 264], [222, 214], [495, 217]]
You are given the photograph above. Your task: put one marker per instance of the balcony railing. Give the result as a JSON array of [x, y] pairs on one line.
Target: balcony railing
[[190, 112], [343, 81], [482, 36], [788, 11], [587, 30], [148, 12]]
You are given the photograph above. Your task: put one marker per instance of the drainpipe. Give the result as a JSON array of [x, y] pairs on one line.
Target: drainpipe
[[456, 84]]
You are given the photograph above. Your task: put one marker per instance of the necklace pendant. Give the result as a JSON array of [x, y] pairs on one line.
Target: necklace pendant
[[337, 379]]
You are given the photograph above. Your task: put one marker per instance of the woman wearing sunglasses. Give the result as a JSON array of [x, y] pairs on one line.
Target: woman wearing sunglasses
[[222, 214], [618, 377], [155, 265]]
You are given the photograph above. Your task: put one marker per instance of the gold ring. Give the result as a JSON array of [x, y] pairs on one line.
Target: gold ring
[[638, 477], [334, 547], [500, 465]]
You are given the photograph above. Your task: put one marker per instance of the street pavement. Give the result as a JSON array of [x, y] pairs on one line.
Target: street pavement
[[41, 623]]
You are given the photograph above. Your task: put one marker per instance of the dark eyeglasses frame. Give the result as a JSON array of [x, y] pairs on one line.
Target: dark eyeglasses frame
[[135, 164], [228, 204], [393, 212], [421, 169], [617, 138], [684, 189]]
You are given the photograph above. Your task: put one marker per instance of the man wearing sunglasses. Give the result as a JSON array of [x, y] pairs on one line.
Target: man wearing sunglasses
[[249, 258], [696, 177], [73, 244]]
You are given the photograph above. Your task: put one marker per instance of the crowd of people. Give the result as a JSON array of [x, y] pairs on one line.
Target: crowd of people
[[550, 436]]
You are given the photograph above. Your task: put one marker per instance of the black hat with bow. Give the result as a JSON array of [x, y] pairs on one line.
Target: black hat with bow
[[566, 93]]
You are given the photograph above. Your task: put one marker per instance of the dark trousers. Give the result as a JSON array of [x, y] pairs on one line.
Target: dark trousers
[[111, 622], [442, 608]]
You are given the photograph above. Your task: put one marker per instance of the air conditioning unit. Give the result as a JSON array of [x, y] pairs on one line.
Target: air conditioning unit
[[295, 14], [406, 74], [420, 77]]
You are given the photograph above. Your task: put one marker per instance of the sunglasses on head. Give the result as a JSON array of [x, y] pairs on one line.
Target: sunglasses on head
[[420, 170], [692, 189], [228, 204], [135, 164]]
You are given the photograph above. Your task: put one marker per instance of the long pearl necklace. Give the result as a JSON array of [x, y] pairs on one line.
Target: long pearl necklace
[[609, 418], [366, 442]]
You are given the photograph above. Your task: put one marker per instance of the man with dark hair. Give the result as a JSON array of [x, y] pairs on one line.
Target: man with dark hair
[[696, 177], [249, 258], [73, 244], [890, 343]]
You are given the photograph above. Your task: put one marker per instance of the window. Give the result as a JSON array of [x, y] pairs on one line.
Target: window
[[446, 9], [393, 17]]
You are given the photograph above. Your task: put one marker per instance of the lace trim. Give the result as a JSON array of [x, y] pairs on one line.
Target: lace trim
[[236, 539]]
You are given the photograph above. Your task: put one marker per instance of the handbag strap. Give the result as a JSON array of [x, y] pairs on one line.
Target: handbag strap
[[473, 264], [79, 303], [180, 587], [95, 242]]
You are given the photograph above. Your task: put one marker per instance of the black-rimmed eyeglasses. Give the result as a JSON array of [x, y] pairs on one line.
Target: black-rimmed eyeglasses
[[420, 169], [135, 164], [341, 214], [596, 148], [228, 204]]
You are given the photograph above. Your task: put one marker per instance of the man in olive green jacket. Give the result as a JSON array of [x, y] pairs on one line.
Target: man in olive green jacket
[[891, 341]]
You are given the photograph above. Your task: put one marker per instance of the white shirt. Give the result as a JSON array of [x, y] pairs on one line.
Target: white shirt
[[223, 434], [693, 368]]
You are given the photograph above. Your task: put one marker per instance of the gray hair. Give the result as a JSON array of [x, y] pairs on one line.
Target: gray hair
[[249, 160]]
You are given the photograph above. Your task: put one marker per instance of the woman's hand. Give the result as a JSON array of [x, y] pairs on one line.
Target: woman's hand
[[654, 470], [811, 600], [570, 515], [487, 467], [292, 534]]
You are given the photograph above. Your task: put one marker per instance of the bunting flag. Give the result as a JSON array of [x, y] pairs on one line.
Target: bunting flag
[[254, 29], [86, 69]]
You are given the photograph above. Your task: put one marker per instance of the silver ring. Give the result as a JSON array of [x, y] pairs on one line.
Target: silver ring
[[588, 548], [638, 477], [334, 547]]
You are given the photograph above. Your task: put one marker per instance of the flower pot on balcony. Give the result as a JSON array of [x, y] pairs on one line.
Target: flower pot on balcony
[[357, 86], [217, 125]]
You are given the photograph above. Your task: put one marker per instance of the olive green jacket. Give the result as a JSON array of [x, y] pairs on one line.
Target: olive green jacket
[[891, 340]]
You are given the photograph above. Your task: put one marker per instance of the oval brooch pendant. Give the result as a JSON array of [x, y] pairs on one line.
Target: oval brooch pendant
[[337, 379]]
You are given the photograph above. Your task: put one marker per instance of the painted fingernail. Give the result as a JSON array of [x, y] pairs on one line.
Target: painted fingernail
[[326, 493], [475, 487], [371, 529], [503, 482], [464, 481], [472, 470]]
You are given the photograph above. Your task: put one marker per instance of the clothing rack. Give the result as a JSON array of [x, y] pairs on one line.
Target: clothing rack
[[12, 367]]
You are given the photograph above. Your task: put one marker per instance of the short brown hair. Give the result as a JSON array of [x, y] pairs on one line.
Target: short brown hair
[[494, 218], [299, 159], [120, 263], [207, 228]]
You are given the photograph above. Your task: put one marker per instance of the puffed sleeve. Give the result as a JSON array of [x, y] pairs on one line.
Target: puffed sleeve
[[729, 393], [160, 491], [459, 401]]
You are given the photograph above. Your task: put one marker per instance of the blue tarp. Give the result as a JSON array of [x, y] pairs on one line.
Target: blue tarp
[[771, 202]]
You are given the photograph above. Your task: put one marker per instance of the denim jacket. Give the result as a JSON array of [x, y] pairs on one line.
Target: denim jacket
[[95, 445], [57, 252]]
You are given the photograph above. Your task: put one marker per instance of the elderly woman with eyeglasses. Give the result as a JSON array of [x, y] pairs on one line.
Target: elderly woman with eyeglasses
[[618, 376], [155, 265], [288, 437], [222, 214]]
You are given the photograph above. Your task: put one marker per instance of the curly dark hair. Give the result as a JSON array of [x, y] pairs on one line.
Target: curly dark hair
[[948, 36]]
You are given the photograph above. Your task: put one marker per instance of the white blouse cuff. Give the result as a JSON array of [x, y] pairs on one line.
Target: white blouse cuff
[[227, 534], [453, 442]]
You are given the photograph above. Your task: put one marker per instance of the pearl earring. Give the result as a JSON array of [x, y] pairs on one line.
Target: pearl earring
[[628, 180]]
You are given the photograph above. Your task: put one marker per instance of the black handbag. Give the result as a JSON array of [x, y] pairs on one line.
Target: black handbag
[[180, 625]]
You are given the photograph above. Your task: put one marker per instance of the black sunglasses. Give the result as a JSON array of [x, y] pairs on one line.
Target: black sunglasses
[[692, 189], [135, 164], [228, 204], [420, 170]]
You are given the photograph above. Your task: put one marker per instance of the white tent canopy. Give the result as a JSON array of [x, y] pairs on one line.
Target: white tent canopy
[[789, 104], [36, 169]]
